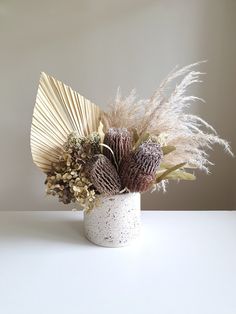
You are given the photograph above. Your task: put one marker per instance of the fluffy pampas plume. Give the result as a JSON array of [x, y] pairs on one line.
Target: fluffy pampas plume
[[165, 116]]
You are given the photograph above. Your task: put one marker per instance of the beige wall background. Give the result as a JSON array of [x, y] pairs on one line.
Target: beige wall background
[[96, 46]]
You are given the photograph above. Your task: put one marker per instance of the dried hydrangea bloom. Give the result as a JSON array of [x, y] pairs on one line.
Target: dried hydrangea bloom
[[82, 146], [103, 175], [67, 178], [120, 142], [137, 171]]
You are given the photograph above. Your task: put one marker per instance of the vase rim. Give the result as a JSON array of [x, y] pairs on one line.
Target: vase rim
[[130, 194]]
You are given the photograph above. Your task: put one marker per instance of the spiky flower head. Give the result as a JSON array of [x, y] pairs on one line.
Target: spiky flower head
[[120, 142], [103, 175], [148, 157], [137, 171]]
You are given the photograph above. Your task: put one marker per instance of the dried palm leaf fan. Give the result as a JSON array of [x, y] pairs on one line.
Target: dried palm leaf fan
[[58, 111]]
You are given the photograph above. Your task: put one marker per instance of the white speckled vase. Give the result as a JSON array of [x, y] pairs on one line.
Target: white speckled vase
[[115, 222]]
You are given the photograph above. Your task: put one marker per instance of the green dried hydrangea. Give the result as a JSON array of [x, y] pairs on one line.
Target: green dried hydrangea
[[67, 179]]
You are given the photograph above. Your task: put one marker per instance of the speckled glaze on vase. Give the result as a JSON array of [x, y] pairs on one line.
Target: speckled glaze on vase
[[115, 221]]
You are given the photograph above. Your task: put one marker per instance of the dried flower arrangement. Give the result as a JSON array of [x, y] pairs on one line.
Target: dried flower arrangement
[[137, 146]]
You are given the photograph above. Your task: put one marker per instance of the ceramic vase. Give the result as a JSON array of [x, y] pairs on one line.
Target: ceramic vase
[[115, 221]]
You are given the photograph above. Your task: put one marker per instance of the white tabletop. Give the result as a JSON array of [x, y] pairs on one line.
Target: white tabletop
[[185, 263]]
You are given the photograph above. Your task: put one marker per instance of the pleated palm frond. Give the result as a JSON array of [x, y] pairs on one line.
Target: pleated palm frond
[[58, 111]]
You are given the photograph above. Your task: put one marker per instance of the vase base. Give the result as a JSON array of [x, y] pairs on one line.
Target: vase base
[[110, 243]]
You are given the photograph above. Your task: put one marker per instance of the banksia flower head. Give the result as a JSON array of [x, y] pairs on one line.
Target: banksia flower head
[[148, 157], [137, 171], [103, 175], [120, 142]]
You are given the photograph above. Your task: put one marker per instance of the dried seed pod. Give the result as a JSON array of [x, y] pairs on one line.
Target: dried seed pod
[[103, 175], [137, 171], [120, 141]]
